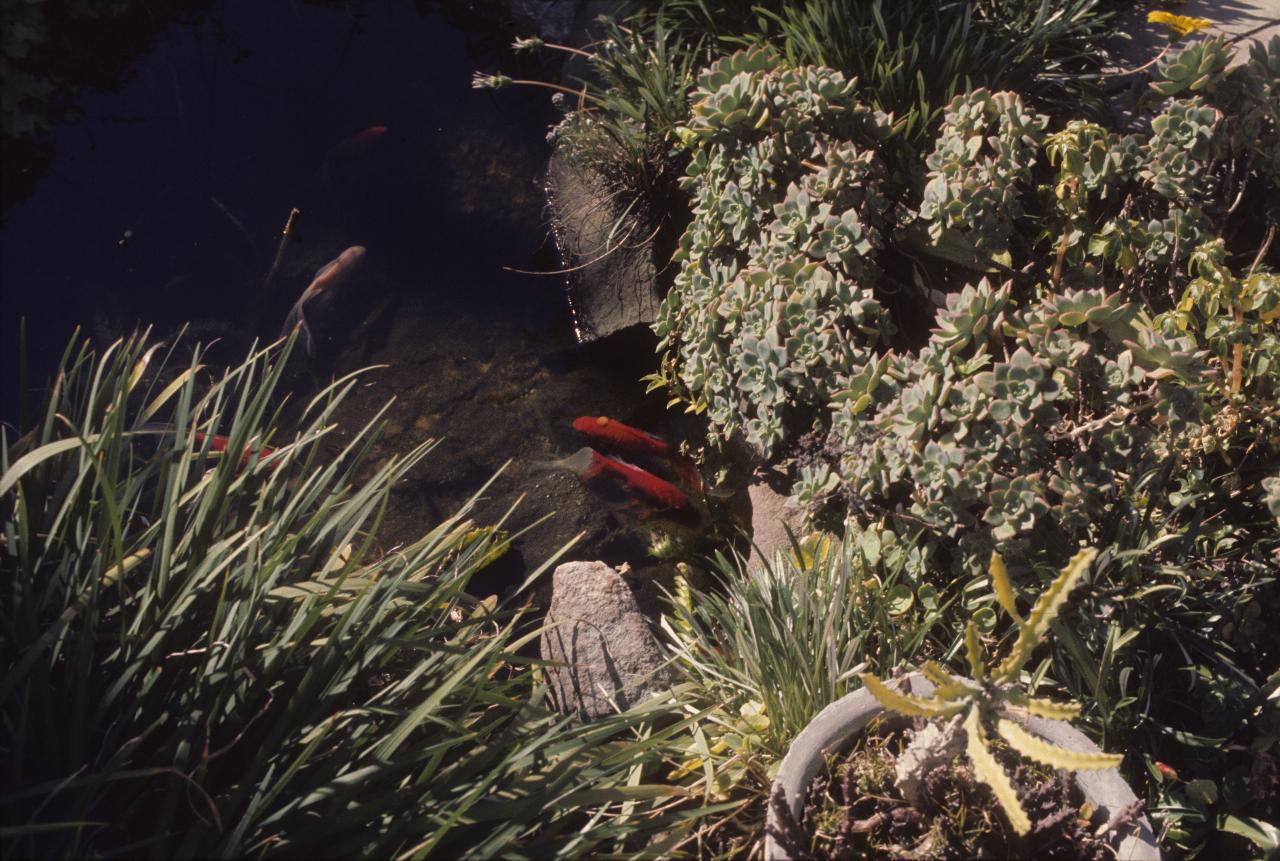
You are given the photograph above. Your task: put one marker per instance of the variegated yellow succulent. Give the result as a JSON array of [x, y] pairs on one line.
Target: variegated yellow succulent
[[987, 701]]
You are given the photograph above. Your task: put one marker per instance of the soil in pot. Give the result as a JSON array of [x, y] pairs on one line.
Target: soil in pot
[[853, 811]]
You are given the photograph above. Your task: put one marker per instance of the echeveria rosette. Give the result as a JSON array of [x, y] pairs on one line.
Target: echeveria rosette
[[773, 305]]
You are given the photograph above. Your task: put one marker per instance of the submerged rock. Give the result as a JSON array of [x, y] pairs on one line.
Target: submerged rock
[[613, 282], [605, 642]]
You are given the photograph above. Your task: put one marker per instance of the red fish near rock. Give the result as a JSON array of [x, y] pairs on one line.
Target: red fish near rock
[[589, 463], [613, 434]]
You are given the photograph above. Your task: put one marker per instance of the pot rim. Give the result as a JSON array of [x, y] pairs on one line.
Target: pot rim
[[840, 721]]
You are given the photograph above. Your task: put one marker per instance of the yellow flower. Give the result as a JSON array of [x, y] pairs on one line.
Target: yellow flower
[[1181, 25]]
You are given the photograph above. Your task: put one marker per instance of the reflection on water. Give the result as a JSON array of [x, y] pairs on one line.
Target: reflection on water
[[165, 204]]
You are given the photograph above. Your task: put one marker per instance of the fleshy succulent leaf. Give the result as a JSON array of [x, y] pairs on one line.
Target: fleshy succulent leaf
[[947, 686], [1050, 754], [1041, 707], [986, 769], [1003, 589], [973, 650], [1045, 611], [906, 704]]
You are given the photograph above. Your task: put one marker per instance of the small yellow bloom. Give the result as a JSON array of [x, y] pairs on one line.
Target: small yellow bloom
[[1181, 25]]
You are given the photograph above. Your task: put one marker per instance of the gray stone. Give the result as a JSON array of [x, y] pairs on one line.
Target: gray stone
[[771, 518], [935, 745], [613, 277], [598, 632]]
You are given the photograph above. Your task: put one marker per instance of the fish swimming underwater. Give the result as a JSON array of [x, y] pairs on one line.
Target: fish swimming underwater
[[622, 437], [357, 145], [588, 463], [613, 434], [329, 279], [218, 443]]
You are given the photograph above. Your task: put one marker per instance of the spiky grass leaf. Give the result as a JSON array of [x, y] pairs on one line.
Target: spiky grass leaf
[[906, 704], [1042, 615], [1003, 589], [986, 769], [361, 716], [1050, 754]]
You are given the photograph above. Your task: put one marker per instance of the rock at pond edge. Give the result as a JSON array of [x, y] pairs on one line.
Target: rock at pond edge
[[597, 630], [613, 285]]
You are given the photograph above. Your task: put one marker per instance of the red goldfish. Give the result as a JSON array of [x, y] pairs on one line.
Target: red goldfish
[[589, 463], [358, 144], [613, 434], [622, 437], [218, 443]]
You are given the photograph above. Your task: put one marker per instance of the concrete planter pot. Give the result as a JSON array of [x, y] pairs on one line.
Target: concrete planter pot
[[839, 723]]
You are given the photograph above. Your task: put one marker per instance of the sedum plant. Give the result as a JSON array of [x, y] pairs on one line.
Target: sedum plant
[[985, 705]]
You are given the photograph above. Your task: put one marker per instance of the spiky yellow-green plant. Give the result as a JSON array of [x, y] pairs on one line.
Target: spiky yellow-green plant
[[990, 697]]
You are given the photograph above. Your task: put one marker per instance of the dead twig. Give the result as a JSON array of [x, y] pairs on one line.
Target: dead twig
[[289, 227]]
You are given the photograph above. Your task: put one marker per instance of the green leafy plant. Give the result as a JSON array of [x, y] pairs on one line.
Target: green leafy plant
[[639, 80], [910, 58], [981, 706]]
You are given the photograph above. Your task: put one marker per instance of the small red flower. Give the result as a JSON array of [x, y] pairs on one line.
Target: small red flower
[[1167, 771]]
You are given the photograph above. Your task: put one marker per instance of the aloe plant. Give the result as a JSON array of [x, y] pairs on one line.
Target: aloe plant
[[985, 705]]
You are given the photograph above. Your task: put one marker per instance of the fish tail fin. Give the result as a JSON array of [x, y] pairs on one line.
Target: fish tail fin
[[687, 471], [304, 335], [582, 463]]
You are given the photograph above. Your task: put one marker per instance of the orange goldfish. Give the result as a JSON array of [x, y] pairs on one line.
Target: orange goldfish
[[613, 434], [589, 463]]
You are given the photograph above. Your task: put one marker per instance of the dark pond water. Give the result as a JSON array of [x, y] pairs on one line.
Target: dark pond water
[[163, 204]]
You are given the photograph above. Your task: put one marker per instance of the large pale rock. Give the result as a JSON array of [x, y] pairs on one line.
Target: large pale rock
[[598, 631], [613, 282]]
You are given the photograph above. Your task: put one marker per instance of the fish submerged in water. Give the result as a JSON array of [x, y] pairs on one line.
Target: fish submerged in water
[[613, 434], [621, 436], [329, 279], [588, 463], [218, 445]]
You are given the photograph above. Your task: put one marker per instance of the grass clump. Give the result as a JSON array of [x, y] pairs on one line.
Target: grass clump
[[211, 656], [771, 645]]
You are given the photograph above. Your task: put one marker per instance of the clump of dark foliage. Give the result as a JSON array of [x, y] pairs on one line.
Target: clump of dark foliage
[[852, 811]]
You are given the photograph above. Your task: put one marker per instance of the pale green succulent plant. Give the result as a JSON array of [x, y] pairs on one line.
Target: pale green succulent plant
[[986, 704]]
